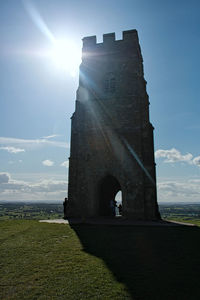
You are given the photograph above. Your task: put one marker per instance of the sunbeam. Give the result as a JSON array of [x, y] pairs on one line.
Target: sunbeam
[[64, 53]]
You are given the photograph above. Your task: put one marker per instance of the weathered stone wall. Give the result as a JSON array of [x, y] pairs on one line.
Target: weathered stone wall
[[111, 135]]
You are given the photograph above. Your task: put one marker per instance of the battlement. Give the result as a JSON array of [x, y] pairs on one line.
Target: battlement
[[109, 38]]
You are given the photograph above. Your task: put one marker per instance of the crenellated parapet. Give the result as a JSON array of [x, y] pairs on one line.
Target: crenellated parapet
[[109, 38]]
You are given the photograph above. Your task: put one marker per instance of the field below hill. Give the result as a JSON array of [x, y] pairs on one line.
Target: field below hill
[[30, 211], [183, 212], [57, 261]]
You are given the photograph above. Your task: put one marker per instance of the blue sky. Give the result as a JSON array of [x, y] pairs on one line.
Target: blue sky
[[37, 97]]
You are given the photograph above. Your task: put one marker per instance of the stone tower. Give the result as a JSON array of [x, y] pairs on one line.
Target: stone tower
[[112, 145]]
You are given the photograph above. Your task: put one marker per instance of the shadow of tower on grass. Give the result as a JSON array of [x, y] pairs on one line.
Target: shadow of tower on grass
[[152, 262]]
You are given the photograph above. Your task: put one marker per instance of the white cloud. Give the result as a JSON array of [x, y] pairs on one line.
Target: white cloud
[[31, 143], [194, 181], [14, 190], [50, 136], [4, 177], [179, 191], [48, 163], [196, 161], [173, 155], [56, 189], [12, 149], [65, 164]]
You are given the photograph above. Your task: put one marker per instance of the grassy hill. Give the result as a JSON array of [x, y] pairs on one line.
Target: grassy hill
[[56, 261]]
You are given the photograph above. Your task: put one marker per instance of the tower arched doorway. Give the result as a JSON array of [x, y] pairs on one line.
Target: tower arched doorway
[[108, 188], [118, 199]]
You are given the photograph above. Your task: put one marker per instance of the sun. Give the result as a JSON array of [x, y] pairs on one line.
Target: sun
[[66, 55]]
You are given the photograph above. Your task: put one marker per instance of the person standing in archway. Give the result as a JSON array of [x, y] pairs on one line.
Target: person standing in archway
[[120, 209], [65, 208]]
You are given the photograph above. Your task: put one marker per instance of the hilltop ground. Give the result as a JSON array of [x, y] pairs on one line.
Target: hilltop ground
[[56, 261]]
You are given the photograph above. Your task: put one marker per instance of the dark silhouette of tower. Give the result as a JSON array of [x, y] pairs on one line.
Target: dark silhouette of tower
[[112, 145]]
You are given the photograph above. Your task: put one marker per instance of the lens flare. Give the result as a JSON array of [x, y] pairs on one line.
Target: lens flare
[[64, 53], [66, 56]]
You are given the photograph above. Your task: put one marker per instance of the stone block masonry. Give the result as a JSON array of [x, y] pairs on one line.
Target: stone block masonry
[[112, 146]]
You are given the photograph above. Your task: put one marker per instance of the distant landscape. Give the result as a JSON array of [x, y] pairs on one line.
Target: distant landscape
[[36, 211], [184, 212], [30, 211]]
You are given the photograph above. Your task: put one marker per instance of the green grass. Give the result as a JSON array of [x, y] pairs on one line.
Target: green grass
[[185, 220], [56, 261]]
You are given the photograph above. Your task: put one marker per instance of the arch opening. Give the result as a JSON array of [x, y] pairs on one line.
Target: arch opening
[[118, 199], [109, 188]]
